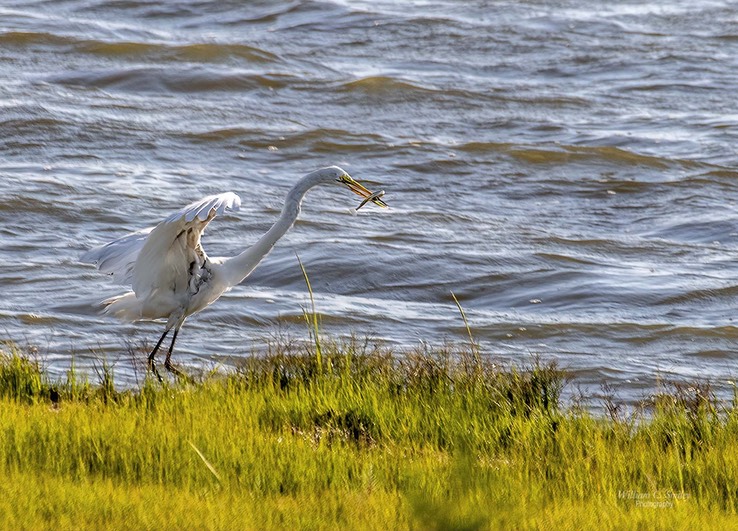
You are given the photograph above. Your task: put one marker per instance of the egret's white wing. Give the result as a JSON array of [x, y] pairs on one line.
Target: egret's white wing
[[165, 257], [118, 257], [202, 208]]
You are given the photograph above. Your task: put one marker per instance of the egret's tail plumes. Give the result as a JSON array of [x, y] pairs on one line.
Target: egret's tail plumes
[[125, 307]]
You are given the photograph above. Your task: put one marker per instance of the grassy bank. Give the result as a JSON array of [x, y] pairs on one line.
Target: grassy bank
[[356, 439]]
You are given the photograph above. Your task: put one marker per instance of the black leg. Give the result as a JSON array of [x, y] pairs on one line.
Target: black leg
[[152, 366], [167, 362]]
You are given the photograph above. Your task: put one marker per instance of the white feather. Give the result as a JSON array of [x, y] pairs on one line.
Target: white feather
[[146, 259], [118, 257], [163, 261]]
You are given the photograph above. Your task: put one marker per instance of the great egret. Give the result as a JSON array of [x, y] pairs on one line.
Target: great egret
[[171, 276]]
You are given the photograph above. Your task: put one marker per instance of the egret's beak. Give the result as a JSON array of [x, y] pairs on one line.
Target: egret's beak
[[368, 195]]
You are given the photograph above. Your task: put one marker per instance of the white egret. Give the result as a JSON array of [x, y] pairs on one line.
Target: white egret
[[171, 276]]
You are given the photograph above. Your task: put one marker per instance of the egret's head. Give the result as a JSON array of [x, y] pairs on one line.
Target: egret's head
[[359, 189]]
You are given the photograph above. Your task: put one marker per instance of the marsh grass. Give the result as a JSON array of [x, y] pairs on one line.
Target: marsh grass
[[360, 438], [311, 318]]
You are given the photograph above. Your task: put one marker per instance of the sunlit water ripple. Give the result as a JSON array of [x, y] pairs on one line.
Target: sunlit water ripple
[[568, 171]]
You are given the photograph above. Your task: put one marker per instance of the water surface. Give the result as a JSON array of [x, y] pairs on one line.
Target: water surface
[[569, 170]]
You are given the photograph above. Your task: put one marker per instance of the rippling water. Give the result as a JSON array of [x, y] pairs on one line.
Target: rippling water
[[568, 170]]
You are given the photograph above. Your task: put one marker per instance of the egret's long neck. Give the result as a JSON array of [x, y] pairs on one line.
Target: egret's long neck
[[241, 265]]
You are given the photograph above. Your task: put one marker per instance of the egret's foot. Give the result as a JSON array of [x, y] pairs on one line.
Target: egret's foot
[[171, 368], [177, 372], [152, 368]]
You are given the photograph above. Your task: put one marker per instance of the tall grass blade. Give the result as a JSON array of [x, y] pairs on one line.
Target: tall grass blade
[[473, 345], [312, 317], [207, 463]]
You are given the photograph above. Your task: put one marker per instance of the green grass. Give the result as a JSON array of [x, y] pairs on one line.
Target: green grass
[[357, 438]]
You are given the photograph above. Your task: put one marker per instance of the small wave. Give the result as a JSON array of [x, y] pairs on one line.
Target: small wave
[[219, 135], [383, 84], [723, 173], [387, 84], [697, 231], [614, 250], [315, 140], [485, 147], [708, 332], [199, 52], [16, 129], [327, 141], [205, 52], [715, 354], [566, 259], [168, 80], [29, 204], [25, 38], [629, 332], [36, 319], [569, 154], [700, 295], [670, 86], [332, 141], [587, 153]]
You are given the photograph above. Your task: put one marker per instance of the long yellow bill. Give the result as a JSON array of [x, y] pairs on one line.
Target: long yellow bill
[[367, 194]]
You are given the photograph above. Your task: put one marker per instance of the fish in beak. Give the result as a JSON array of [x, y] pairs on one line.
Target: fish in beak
[[368, 195], [374, 198]]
